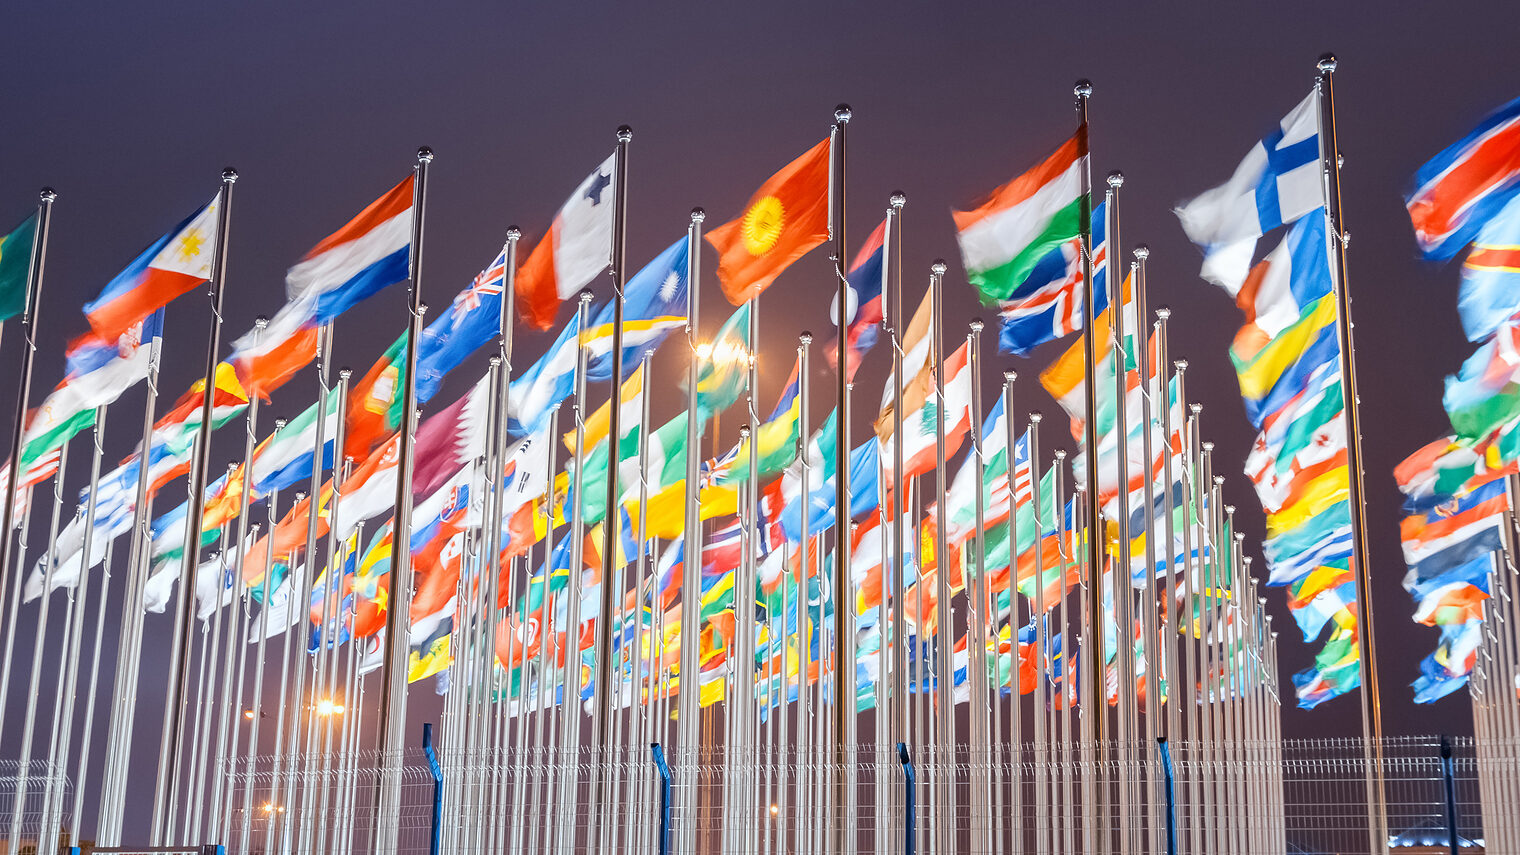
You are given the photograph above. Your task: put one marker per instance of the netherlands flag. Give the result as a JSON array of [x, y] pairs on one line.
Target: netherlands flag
[[1465, 185], [865, 279], [174, 264], [369, 254]]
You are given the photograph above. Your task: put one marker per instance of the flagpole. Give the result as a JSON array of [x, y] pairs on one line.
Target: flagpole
[[1154, 651], [945, 644], [1170, 623], [1041, 644], [179, 650], [744, 605], [1015, 678], [35, 269], [805, 627], [687, 702], [899, 553], [978, 618], [1372, 716]]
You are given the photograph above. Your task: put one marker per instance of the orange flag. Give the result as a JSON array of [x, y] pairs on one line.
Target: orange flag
[[786, 217]]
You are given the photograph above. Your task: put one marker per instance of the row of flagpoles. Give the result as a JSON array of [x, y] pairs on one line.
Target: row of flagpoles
[[723, 571]]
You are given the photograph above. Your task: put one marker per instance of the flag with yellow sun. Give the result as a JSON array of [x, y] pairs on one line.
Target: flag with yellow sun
[[786, 217]]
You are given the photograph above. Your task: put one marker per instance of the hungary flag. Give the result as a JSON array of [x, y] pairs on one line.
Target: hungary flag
[[15, 265], [1005, 236]]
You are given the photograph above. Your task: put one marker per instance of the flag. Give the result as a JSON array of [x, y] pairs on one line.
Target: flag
[[374, 403], [785, 218], [16, 267], [863, 314], [71, 407], [370, 253], [775, 440], [1464, 186], [1277, 182], [724, 370], [577, 248], [1283, 286], [1008, 233], [918, 376], [171, 266], [630, 411], [921, 426], [284, 459], [1049, 305], [473, 318], [1490, 293]]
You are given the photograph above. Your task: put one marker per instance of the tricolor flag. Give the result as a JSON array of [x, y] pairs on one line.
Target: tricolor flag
[[370, 253], [785, 218], [174, 264], [1006, 236], [863, 314], [1465, 185], [1491, 275], [1277, 182], [1049, 305], [576, 250]]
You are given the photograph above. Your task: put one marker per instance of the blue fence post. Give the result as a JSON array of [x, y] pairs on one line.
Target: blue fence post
[[207, 849], [435, 838], [1171, 796], [1448, 773], [910, 820], [659, 763]]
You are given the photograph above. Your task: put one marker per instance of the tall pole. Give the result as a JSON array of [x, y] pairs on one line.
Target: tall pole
[[691, 590], [844, 672], [169, 763], [393, 684], [1372, 717], [1154, 649], [899, 549], [944, 682], [35, 269]]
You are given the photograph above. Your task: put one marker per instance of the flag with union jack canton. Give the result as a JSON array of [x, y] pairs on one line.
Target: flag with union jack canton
[[1048, 306]]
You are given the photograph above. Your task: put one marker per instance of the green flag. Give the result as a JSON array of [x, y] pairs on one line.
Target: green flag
[[15, 267]]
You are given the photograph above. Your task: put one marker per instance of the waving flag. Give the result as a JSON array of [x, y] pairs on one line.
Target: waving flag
[[1049, 305], [472, 320], [787, 217], [1491, 275], [1277, 182], [576, 250], [1465, 185], [174, 264], [863, 314], [16, 267]]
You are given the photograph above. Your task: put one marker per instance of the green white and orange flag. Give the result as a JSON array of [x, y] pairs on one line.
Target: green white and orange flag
[[1004, 236]]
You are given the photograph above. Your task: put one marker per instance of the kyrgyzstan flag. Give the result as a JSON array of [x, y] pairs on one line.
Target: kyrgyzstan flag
[[576, 250], [173, 265], [786, 217]]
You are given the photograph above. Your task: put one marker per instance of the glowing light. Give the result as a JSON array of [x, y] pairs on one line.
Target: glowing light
[[248, 714], [704, 350], [775, 809], [327, 707]]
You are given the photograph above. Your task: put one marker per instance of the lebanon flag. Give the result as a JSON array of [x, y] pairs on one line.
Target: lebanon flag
[[174, 264], [576, 250], [786, 217], [1018, 224]]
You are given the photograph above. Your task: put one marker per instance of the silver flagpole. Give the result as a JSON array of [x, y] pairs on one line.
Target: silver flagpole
[[806, 725], [1070, 558], [82, 777], [901, 696], [542, 712], [255, 708], [36, 266], [1190, 616], [844, 671], [1015, 817], [276, 756], [612, 571], [1154, 646], [744, 608], [1372, 717], [979, 743], [640, 705], [501, 393], [1042, 761], [944, 816], [393, 681], [691, 594]]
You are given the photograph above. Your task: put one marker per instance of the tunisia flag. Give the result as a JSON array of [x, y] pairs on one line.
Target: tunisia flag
[[786, 217]]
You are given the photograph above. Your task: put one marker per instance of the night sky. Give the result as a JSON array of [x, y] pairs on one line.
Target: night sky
[[131, 114]]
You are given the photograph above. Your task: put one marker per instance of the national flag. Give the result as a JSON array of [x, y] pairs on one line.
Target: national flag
[[1277, 372], [1050, 303], [918, 374], [723, 373], [1008, 233], [374, 403], [284, 459], [174, 434], [472, 320], [171, 266], [774, 441], [1464, 186], [576, 249], [863, 313], [920, 427], [630, 411], [1490, 293], [1283, 286], [370, 253], [1277, 182], [16, 267], [785, 218]]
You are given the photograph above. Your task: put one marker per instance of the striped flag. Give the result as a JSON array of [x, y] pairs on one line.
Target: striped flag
[[1465, 185]]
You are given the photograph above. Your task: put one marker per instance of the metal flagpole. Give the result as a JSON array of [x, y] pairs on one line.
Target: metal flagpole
[[1041, 647], [179, 651], [692, 547], [744, 596], [35, 269], [89, 716], [255, 706], [612, 574], [805, 626], [844, 713], [288, 631], [945, 645], [393, 682], [1071, 694], [1372, 717], [1015, 816], [1154, 648], [977, 616]]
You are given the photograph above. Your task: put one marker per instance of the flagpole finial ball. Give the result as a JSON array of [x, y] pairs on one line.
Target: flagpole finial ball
[[344, 374], [279, 424], [1036, 417], [744, 431], [1163, 313], [624, 133], [1196, 409], [1083, 89], [514, 234], [1142, 252], [1180, 365], [1060, 454], [977, 326], [1010, 376], [585, 297], [47, 194], [843, 114], [1327, 63], [1206, 445], [939, 267], [1229, 509], [260, 322], [806, 338], [897, 199], [1116, 179], [424, 155], [229, 175], [698, 215]]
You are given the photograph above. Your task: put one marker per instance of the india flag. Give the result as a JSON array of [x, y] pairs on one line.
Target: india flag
[[1004, 237]]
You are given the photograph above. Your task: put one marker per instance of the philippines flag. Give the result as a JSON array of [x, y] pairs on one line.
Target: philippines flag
[[1465, 185], [174, 264], [865, 279], [370, 253], [1048, 306]]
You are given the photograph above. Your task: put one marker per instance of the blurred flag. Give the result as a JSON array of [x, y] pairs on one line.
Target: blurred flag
[[1465, 185], [171, 266], [576, 249], [785, 218], [16, 267]]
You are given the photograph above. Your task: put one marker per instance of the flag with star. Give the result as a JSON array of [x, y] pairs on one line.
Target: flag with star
[[786, 217], [173, 265], [577, 248]]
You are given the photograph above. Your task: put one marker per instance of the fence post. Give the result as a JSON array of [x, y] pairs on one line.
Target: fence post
[[1171, 796], [1448, 774], [207, 849], [432, 757], [664, 770], [910, 820]]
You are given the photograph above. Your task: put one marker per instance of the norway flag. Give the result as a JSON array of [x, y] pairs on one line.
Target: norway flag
[[864, 311]]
